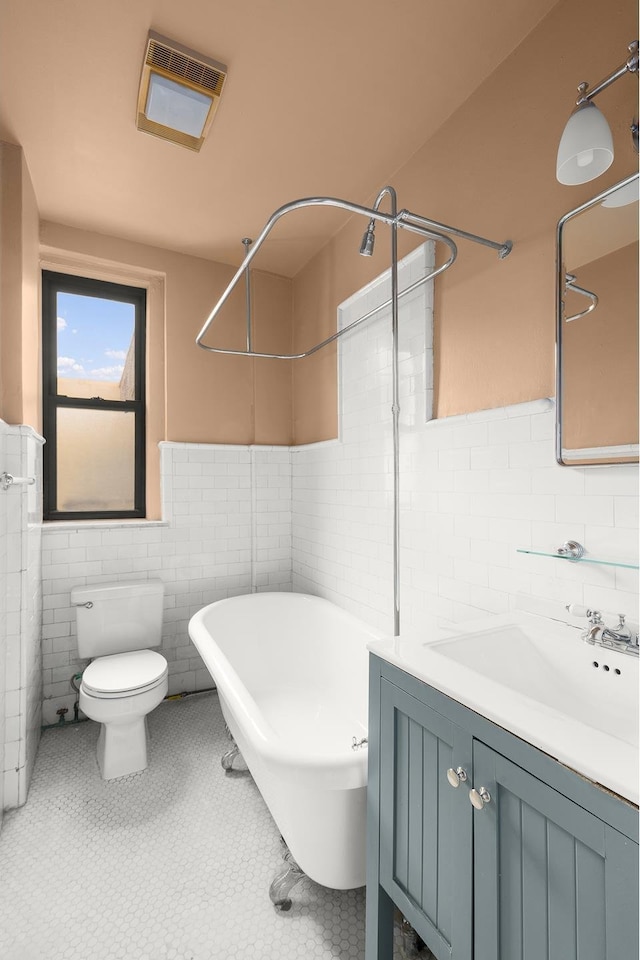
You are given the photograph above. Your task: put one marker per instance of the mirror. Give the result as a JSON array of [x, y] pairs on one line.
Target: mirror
[[597, 329]]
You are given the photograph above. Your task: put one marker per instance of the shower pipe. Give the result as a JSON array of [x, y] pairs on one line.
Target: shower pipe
[[246, 242], [429, 229], [395, 396]]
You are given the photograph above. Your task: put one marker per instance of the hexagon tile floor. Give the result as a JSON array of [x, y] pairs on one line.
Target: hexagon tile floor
[[170, 864]]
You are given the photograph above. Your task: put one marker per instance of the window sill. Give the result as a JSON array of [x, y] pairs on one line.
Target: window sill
[[100, 524]]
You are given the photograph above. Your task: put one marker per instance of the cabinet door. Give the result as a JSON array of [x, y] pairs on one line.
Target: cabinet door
[[425, 824], [552, 882]]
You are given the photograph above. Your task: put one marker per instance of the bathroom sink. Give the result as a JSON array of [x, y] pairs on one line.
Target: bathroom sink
[[537, 678], [555, 671]]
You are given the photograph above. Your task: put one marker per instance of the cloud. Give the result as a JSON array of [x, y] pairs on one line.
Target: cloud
[[69, 365], [116, 354], [62, 323], [108, 373]]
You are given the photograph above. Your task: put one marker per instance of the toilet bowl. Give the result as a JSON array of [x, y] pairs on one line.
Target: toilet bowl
[[117, 624], [118, 692]]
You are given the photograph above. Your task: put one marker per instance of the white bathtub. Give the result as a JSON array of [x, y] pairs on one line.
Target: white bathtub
[[292, 676]]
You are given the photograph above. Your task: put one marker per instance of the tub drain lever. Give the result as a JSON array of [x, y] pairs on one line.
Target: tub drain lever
[[356, 744]]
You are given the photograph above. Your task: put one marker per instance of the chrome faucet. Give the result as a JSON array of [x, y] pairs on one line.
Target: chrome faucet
[[621, 637], [621, 633]]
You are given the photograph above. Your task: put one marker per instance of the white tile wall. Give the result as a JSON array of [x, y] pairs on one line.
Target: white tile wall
[[271, 518], [4, 615], [343, 491], [21, 602], [473, 489], [227, 530]]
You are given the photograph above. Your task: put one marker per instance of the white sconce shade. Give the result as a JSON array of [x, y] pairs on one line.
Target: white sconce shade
[[586, 146]]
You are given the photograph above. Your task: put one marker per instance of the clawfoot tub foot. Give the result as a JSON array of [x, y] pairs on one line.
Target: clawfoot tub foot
[[227, 758], [283, 884]]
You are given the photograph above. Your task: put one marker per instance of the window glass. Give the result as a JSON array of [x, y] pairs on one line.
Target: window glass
[[95, 354]]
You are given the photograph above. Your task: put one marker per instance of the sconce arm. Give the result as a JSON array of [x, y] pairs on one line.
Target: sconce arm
[[629, 66]]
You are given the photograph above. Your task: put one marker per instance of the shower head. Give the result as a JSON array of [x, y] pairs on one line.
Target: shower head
[[368, 240]]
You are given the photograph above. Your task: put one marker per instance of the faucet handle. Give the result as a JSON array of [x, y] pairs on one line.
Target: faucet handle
[[577, 610], [625, 631]]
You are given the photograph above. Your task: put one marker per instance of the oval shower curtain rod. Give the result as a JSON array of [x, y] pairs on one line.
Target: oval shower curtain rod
[[405, 219]]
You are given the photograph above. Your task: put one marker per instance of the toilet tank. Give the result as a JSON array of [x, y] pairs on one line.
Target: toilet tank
[[118, 617]]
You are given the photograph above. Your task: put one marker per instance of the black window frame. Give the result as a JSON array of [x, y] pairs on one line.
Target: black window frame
[[52, 284]]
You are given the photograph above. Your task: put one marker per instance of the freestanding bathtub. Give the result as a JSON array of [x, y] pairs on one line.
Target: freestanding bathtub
[[292, 676]]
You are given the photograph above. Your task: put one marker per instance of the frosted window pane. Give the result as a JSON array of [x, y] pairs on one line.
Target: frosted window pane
[[96, 458]]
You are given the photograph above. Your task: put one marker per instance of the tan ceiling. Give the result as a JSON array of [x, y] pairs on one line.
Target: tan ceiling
[[322, 99]]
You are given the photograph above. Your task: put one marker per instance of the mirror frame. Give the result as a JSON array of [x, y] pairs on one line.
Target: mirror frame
[[560, 290]]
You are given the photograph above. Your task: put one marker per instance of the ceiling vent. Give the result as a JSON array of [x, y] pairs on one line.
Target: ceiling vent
[[179, 92]]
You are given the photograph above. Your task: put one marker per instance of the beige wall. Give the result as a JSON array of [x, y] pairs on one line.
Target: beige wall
[[209, 398], [19, 292], [193, 395], [490, 169]]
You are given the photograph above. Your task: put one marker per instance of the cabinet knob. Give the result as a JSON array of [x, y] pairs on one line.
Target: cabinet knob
[[457, 776], [479, 798]]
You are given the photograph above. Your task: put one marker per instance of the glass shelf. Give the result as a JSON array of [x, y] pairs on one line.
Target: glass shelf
[[559, 556]]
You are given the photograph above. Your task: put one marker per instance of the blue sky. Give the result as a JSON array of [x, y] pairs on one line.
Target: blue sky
[[93, 337]]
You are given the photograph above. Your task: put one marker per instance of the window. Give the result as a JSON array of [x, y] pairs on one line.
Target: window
[[93, 362]]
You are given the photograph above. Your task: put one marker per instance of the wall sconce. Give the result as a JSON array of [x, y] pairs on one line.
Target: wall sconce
[[586, 145]]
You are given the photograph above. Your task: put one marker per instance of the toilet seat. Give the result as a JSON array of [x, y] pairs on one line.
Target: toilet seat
[[124, 674]]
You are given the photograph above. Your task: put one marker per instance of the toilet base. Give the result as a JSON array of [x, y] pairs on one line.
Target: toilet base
[[122, 748], [122, 742]]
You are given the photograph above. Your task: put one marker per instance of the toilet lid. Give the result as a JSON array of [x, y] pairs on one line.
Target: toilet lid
[[124, 672]]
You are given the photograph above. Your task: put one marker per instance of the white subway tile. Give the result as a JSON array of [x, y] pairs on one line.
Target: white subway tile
[[535, 453], [511, 481], [505, 431], [587, 509], [493, 601], [543, 426], [625, 511], [627, 580], [558, 480], [620, 480], [471, 571], [611, 543]]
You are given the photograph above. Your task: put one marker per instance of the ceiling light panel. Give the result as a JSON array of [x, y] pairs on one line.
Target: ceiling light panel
[[179, 92]]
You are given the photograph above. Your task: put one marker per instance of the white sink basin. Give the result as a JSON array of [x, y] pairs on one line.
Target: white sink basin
[[537, 678], [558, 672]]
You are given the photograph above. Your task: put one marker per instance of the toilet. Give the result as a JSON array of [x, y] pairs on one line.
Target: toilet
[[118, 623]]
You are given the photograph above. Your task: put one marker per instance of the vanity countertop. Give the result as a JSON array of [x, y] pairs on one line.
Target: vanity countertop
[[535, 677]]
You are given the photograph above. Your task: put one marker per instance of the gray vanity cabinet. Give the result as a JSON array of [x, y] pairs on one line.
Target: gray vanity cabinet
[[551, 879], [426, 837], [546, 868]]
